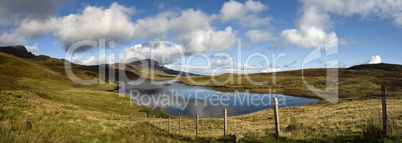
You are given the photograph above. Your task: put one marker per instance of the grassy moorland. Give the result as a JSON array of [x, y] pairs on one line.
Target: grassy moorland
[[355, 82], [356, 117], [51, 108], [39, 103], [347, 121]]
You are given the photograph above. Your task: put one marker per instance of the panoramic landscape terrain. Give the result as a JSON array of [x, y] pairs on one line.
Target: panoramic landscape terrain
[[40, 103], [200, 71]]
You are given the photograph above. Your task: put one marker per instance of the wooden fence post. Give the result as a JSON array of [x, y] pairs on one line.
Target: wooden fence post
[[225, 120], [196, 127], [276, 115], [179, 125], [131, 100], [160, 123], [145, 117], [154, 119], [384, 110], [169, 125]]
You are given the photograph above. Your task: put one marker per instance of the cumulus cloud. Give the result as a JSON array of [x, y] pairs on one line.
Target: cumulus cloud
[[34, 28], [94, 60], [192, 28], [93, 23], [163, 53], [234, 10], [374, 60], [311, 30], [229, 61], [32, 48], [14, 11], [314, 27], [245, 14], [9, 39], [371, 9]]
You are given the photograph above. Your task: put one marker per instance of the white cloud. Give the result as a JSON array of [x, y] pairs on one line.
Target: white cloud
[[163, 53], [309, 37], [32, 48], [260, 36], [35, 28], [314, 27], [245, 14], [369, 9], [234, 10], [311, 30], [374, 60], [85, 60], [255, 6], [271, 70], [93, 23], [191, 28], [208, 40], [94, 60], [9, 39]]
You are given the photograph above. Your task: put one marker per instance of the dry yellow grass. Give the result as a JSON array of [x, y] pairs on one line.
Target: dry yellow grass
[[73, 115], [90, 114], [344, 121]]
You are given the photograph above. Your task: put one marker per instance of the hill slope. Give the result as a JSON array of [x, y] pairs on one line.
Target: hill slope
[[132, 70], [380, 66], [38, 103]]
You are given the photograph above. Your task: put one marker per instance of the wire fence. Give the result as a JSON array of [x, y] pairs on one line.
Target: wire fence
[[313, 118]]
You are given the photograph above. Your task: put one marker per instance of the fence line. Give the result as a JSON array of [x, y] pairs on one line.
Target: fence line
[[205, 127]]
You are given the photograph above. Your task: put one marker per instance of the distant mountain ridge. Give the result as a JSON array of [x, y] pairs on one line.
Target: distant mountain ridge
[[380, 66], [133, 70]]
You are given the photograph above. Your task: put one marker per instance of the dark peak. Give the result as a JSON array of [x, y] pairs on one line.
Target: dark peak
[[17, 50], [380, 66], [19, 47], [148, 62]]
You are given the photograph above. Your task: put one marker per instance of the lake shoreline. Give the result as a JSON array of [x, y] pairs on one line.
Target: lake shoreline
[[291, 92], [212, 100]]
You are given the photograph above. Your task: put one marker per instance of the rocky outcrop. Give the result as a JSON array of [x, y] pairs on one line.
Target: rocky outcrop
[[17, 50]]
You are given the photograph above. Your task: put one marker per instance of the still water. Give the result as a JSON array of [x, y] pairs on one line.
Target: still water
[[183, 100]]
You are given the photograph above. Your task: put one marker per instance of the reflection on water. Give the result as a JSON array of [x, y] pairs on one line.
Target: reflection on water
[[180, 99]]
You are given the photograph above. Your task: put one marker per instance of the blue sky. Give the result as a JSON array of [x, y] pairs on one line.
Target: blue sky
[[360, 33]]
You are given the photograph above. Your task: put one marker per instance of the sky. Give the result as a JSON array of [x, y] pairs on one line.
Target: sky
[[210, 36]]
